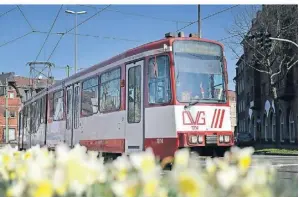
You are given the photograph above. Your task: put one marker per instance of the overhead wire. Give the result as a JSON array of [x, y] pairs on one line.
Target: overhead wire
[[4, 13], [209, 16], [94, 36], [137, 14], [76, 27], [15, 39], [25, 18], [49, 32]]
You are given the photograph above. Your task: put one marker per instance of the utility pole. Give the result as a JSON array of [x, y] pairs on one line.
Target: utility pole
[[199, 21], [68, 70], [75, 13]]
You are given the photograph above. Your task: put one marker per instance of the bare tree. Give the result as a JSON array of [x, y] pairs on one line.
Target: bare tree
[[276, 59]]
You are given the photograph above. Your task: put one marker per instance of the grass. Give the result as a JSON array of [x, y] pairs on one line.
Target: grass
[[277, 151]]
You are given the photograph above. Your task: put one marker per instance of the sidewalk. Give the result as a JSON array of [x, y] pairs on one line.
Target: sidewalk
[[272, 149]]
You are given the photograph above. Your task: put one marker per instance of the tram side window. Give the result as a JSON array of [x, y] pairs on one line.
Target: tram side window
[[89, 99], [110, 90], [69, 108], [43, 109], [159, 80], [134, 95], [25, 116], [58, 105], [37, 113], [76, 107], [51, 105]]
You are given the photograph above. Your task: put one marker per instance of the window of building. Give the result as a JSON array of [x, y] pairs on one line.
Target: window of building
[[265, 127], [90, 98], [11, 134], [110, 90], [58, 105], [134, 94], [281, 126], [273, 121], [158, 80], [292, 127], [13, 114], [11, 95]]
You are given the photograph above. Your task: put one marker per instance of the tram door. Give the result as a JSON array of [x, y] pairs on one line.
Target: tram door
[[69, 115], [134, 133]]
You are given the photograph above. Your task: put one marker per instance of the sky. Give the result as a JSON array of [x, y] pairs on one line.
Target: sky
[[130, 25]]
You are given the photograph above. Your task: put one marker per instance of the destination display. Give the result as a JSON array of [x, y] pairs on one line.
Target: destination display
[[197, 47]]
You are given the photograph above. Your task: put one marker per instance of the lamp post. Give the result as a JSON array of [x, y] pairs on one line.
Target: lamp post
[[75, 13]]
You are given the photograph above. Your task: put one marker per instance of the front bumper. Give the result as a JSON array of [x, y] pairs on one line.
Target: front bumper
[[192, 139]]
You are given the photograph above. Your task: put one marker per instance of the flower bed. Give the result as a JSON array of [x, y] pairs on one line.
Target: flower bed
[[40, 173]]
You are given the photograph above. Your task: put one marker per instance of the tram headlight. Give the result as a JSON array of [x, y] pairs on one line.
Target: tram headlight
[[226, 138], [221, 138], [200, 139], [193, 139]]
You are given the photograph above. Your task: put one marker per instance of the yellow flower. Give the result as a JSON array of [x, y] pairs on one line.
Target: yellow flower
[[145, 161], [12, 175], [244, 158], [125, 189], [122, 167], [188, 183], [162, 192], [150, 187], [9, 192], [27, 155], [131, 191], [6, 159], [210, 166], [43, 189]]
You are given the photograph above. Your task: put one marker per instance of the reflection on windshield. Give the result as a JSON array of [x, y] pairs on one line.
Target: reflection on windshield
[[199, 77]]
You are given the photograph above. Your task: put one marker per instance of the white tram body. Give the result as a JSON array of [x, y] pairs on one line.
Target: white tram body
[[161, 95]]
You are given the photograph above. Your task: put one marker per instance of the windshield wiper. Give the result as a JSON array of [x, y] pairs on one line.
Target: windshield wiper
[[191, 103]]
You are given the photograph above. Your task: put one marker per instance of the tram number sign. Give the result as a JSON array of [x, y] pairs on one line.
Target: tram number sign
[[160, 141]]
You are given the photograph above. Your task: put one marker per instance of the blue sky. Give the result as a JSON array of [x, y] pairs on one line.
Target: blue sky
[[140, 30]]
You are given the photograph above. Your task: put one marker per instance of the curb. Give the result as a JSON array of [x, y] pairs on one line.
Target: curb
[[277, 154]]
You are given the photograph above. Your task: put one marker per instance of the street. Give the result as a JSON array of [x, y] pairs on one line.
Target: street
[[286, 166]]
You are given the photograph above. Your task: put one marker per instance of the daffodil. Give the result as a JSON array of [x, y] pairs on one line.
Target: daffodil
[[210, 166], [16, 190], [188, 183], [122, 167], [43, 189], [144, 161], [228, 177], [150, 186], [129, 188], [244, 158], [181, 158]]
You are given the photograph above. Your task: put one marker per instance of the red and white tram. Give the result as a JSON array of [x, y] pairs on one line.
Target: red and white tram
[[167, 94]]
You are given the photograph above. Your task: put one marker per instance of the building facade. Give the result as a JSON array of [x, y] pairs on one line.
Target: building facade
[[19, 89], [256, 111], [233, 112]]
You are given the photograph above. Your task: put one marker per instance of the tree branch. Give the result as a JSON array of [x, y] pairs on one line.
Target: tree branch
[[279, 71], [262, 71]]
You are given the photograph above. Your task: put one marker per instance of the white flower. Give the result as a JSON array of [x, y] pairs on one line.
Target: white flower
[[128, 188], [16, 190], [228, 177], [144, 161], [181, 158]]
